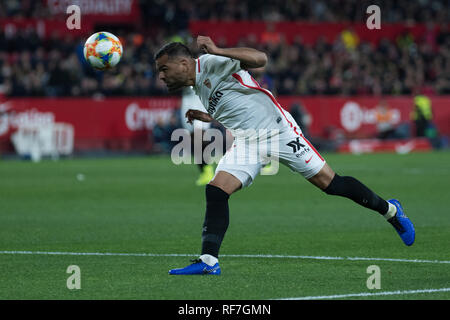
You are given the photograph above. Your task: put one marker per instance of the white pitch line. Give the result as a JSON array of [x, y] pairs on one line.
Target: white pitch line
[[332, 258], [369, 294], [114, 254], [267, 256]]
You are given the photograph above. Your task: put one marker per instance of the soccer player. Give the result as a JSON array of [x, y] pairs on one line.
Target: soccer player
[[233, 98]]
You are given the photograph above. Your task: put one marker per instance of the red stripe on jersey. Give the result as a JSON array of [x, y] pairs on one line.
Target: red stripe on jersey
[[258, 87], [312, 147], [198, 60]]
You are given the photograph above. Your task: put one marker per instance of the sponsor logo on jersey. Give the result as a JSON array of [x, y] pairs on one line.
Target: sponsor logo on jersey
[[213, 101], [207, 83], [297, 146]]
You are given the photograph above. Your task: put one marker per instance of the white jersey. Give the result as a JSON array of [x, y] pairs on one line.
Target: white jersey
[[232, 97], [235, 99]]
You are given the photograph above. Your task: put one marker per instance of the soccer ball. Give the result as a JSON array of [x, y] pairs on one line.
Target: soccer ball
[[103, 50]]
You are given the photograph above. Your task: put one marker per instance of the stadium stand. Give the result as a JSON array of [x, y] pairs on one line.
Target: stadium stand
[[321, 55], [34, 66]]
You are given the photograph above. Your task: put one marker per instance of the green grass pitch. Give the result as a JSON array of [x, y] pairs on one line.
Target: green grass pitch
[[149, 205]]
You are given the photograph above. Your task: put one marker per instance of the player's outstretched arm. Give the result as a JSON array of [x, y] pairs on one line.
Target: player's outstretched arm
[[249, 57], [193, 114]]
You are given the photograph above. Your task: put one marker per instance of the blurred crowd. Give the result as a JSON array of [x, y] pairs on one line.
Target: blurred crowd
[[179, 12], [31, 66], [352, 67]]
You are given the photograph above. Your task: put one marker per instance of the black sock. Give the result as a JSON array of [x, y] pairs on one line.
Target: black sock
[[216, 220], [353, 189]]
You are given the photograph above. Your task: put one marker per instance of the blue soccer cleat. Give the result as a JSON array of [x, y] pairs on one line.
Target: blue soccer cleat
[[402, 224], [198, 267]]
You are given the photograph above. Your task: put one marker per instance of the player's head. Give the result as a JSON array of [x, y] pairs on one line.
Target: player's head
[[174, 62]]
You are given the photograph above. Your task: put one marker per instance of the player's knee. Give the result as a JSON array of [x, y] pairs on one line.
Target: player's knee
[[323, 178], [215, 194], [226, 182], [335, 185], [343, 186]]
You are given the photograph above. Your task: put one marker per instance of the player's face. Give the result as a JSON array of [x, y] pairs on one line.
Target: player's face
[[173, 72]]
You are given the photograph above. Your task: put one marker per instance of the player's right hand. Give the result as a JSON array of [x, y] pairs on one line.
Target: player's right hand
[[207, 45]]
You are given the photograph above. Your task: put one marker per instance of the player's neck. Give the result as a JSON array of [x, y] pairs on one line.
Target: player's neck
[[192, 77]]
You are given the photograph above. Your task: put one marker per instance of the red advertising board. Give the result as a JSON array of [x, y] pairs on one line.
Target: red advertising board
[[400, 146], [233, 31], [44, 28], [91, 12], [125, 123], [356, 115], [98, 10], [98, 124]]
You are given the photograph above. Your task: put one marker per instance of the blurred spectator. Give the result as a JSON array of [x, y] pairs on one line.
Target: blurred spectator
[[333, 137], [264, 79], [350, 39], [423, 119], [270, 35], [422, 115], [302, 117], [162, 133], [161, 137], [385, 121], [405, 40]]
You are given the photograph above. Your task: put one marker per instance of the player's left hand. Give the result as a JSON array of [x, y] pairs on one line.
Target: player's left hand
[[192, 114], [207, 45]]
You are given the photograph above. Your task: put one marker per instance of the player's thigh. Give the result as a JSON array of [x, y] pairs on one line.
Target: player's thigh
[[237, 169], [297, 153]]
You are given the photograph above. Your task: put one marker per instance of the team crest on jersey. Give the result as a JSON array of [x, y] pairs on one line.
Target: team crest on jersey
[[207, 83]]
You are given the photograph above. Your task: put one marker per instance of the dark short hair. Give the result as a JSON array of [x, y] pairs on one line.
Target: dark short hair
[[173, 49]]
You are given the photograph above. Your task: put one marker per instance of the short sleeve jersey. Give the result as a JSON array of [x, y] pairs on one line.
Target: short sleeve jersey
[[232, 97]]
